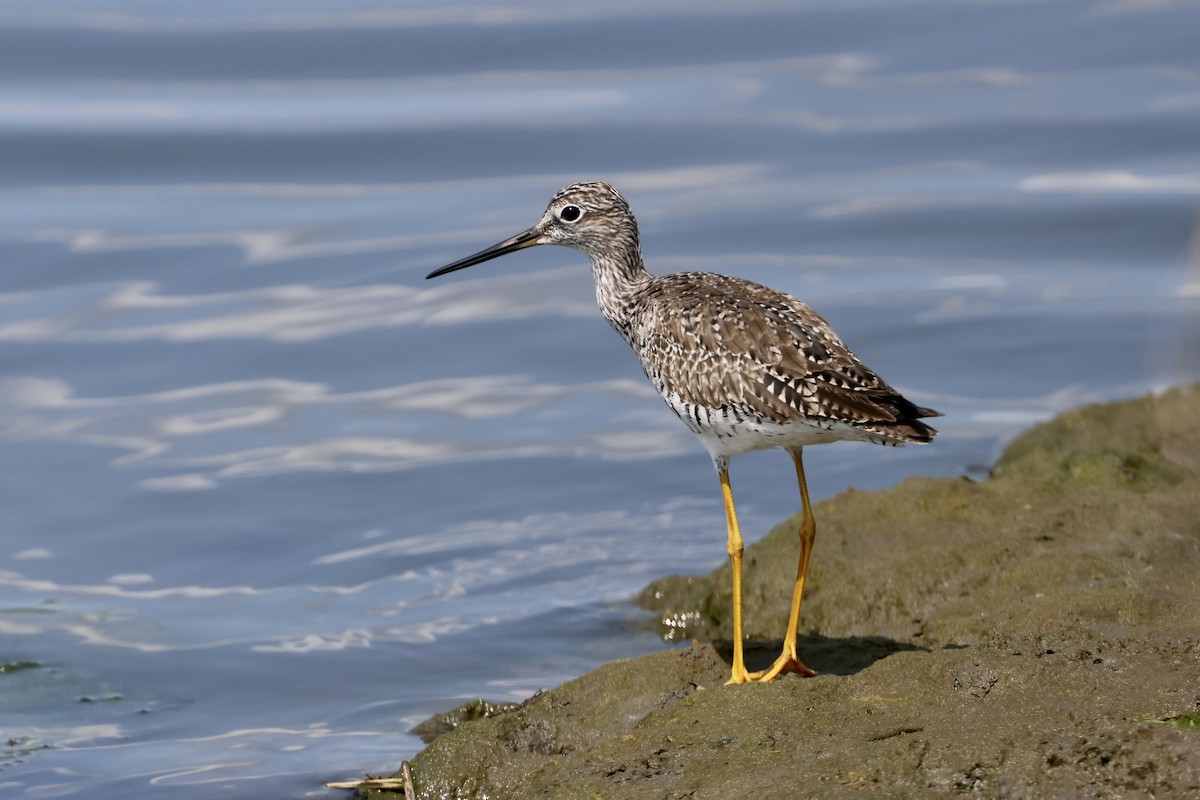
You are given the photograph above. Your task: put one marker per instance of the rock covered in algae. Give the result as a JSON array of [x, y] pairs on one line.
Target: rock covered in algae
[[1036, 634]]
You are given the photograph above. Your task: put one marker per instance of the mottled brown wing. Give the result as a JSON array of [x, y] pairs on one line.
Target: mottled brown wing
[[727, 342]]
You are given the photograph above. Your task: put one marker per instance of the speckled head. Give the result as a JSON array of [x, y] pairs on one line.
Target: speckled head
[[590, 217]]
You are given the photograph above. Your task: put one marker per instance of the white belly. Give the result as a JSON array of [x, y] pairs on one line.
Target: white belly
[[727, 434]]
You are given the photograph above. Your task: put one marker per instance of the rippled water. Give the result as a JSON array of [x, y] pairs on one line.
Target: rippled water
[[270, 498]]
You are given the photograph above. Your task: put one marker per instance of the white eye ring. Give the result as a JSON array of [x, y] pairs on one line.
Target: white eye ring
[[570, 213]]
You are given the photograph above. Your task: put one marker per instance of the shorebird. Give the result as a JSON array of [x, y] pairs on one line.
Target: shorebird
[[744, 366]]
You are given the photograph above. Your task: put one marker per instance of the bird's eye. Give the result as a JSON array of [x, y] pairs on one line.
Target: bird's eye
[[570, 213]]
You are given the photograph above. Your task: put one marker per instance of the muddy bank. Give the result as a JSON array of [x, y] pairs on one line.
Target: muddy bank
[[1036, 634]]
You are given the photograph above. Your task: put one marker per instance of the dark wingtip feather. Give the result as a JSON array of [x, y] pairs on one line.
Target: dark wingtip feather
[[921, 433], [906, 423]]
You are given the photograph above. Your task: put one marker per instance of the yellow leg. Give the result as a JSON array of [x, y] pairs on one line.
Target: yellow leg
[[788, 660], [734, 548]]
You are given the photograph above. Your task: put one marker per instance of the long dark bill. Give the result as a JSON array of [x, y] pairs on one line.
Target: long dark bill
[[522, 240]]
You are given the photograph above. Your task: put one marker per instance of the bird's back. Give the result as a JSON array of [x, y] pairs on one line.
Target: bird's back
[[726, 352]]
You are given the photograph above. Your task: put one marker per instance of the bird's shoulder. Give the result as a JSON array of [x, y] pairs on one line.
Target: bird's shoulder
[[707, 313]]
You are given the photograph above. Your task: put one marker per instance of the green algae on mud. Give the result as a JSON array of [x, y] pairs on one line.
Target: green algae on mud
[[1023, 636], [441, 724]]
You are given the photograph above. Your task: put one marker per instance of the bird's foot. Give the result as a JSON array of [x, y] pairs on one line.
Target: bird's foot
[[738, 676], [788, 661]]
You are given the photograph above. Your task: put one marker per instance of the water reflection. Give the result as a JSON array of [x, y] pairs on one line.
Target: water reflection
[[189, 428], [426, 587]]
